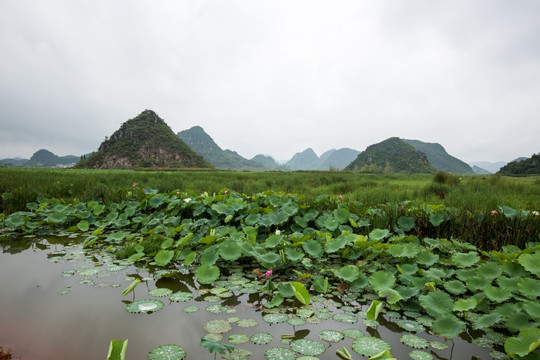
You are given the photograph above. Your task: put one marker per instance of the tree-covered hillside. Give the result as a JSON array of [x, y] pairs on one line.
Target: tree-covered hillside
[[144, 141], [439, 158], [392, 155], [529, 166]]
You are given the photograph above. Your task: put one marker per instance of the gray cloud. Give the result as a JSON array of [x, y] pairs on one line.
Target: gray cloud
[[273, 78]]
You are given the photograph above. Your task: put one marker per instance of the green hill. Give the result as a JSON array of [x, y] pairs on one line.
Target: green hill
[[205, 146], [391, 155], [144, 141], [45, 158], [337, 159], [439, 158], [529, 166], [268, 162], [305, 160]]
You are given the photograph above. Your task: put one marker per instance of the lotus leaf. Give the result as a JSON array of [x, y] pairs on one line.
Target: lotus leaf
[[279, 353], [336, 244], [407, 269], [407, 292], [490, 270], [448, 326], [529, 287], [207, 274], [308, 347], [261, 338], [523, 344], [348, 273], [374, 309], [420, 355], [436, 303], [167, 352], [181, 296], [305, 312], [300, 292], [405, 223], [465, 304], [341, 215], [519, 320], [403, 250], [160, 292], [498, 355], [217, 326], [533, 309], [245, 323], [269, 260], [216, 309], [477, 282], [238, 339], [455, 287], [313, 248], [369, 346], [463, 260], [438, 345], [497, 294], [414, 341], [410, 325], [382, 280], [353, 333], [379, 234], [426, 258], [345, 318], [293, 254], [144, 306], [331, 335], [531, 262], [436, 219], [275, 318], [229, 250], [487, 320], [191, 309], [296, 321]]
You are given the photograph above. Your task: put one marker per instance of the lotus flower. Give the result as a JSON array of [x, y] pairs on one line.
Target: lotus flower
[[268, 273], [494, 212], [134, 185]]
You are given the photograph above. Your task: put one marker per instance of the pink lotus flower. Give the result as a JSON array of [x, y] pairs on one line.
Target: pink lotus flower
[[134, 185], [494, 212], [340, 197], [268, 273], [226, 191]]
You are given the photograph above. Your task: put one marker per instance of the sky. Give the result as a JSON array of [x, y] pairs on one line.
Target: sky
[[273, 77]]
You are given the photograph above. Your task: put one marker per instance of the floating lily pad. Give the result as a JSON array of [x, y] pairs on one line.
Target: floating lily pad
[[261, 338], [144, 306], [217, 326], [296, 321], [181, 296], [308, 347], [353, 333], [245, 323], [191, 309], [90, 272], [216, 309], [414, 341], [345, 318], [167, 352], [331, 335], [115, 268], [420, 355], [238, 339], [279, 353], [212, 299], [498, 355], [410, 325], [275, 318], [213, 337], [438, 345], [237, 354], [369, 346], [63, 292], [160, 292]]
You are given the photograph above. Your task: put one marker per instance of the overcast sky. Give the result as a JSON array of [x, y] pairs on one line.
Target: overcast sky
[[273, 77]]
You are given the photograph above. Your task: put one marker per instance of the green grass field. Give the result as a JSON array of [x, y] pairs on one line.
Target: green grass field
[[19, 186]]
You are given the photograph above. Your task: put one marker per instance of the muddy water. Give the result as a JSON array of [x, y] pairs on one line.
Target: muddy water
[[36, 322]]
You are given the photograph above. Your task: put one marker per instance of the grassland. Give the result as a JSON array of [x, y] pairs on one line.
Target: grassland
[[480, 193]]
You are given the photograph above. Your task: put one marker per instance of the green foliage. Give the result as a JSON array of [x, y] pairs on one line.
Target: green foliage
[[117, 350], [529, 166]]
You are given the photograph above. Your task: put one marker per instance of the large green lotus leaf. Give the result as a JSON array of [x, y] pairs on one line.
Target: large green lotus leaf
[[379, 234], [207, 274], [407, 269], [508, 283], [348, 273], [313, 248], [341, 215], [335, 244], [308, 347], [448, 326], [487, 320], [209, 256], [276, 301], [222, 208], [269, 260], [529, 287], [490, 270], [215, 347], [116, 236], [369, 346], [436, 219], [229, 250], [462, 260], [435, 275], [273, 240], [525, 343], [403, 250], [279, 353], [217, 326], [420, 355], [163, 257], [508, 211], [293, 254], [426, 258], [374, 309], [516, 321], [83, 225], [405, 223], [513, 269], [320, 284], [436, 303], [533, 309], [252, 219], [407, 292], [300, 292], [455, 287], [392, 296], [285, 289], [497, 294], [167, 352], [382, 280], [477, 282], [465, 304], [531, 262], [414, 341]]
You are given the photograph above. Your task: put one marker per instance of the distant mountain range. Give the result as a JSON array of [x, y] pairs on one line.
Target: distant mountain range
[[147, 141]]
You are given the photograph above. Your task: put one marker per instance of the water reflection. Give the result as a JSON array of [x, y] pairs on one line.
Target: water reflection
[[37, 323]]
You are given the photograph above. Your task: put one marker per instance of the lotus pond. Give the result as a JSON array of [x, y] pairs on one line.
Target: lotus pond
[[265, 276]]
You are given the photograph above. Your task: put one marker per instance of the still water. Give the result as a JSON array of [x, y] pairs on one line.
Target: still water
[[54, 306]]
